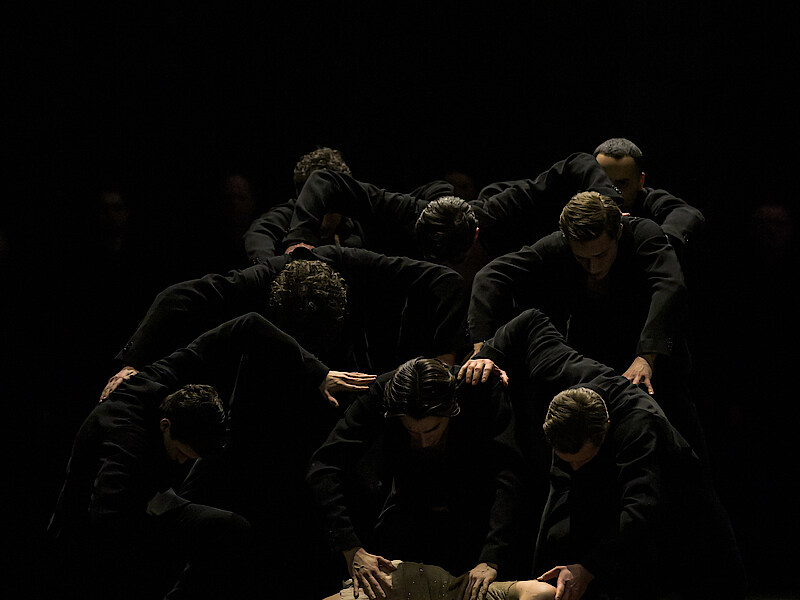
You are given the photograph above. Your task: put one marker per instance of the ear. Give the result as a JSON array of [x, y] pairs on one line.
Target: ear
[[164, 424], [641, 180]]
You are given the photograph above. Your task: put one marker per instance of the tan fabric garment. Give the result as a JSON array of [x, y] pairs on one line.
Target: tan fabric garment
[[415, 581]]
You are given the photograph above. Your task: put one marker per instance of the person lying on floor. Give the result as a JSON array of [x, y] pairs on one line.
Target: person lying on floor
[[402, 580]]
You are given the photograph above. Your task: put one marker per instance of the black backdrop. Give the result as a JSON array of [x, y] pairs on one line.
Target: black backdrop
[[161, 102]]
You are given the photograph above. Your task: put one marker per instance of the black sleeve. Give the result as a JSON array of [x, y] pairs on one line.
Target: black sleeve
[[264, 238], [382, 214], [667, 314], [520, 212], [530, 347], [636, 441], [185, 310], [433, 190], [506, 469], [435, 299], [680, 221], [516, 281], [335, 462]]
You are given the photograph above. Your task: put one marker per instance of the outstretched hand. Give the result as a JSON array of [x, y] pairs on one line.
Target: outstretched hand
[[370, 572], [340, 381], [641, 372], [115, 380], [572, 581], [478, 583], [478, 370]]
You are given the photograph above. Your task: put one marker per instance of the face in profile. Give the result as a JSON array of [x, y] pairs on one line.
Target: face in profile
[[176, 450]]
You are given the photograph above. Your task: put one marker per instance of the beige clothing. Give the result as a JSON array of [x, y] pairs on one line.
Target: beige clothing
[[415, 581]]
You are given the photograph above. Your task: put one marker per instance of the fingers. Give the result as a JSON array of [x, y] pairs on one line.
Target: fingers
[[373, 587], [483, 590], [386, 563], [115, 380], [549, 575], [462, 370], [503, 376], [331, 400], [468, 591], [560, 590]]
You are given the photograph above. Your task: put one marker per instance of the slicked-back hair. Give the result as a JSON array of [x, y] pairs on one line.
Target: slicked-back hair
[[197, 418], [620, 148], [308, 300], [574, 417], [419, 388], [321, 158], [587, 215], [445, 229]]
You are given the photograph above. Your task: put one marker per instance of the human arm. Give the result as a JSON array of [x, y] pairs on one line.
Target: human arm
[[382, 214], [338, 381], [264, 238], [183, 311], [641, 371], [531, 277], [478, 370], [427, 301], [333, 468], [518, 213], [667, 310], [369, 572], [571, 581], [113, 383], [478, 580], [637, 444], [682, 222]]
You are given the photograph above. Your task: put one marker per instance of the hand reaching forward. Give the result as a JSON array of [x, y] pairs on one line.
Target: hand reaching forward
[[477, 370], [572, 581], [339, 381], [479, 579], [113, 383], [641, 371], [369, 572]]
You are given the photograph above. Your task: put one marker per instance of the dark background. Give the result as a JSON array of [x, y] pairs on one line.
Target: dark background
[[160, 103]]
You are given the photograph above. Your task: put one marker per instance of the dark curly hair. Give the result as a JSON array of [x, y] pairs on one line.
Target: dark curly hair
[[445, 229], [308, 300], [321, 158], [197, 418]]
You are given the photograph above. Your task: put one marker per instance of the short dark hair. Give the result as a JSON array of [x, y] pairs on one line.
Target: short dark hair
[[196, 417], [445, 229], [620, 148], [587, 215], [574, 417], [321, 158], [308, 300], [421, 387]]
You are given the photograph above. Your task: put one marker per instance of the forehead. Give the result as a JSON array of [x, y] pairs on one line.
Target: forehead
[[596, 247], [423, 425], [618, 168]]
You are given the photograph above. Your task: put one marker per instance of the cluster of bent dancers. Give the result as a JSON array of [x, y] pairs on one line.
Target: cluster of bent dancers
[[413, 396]]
